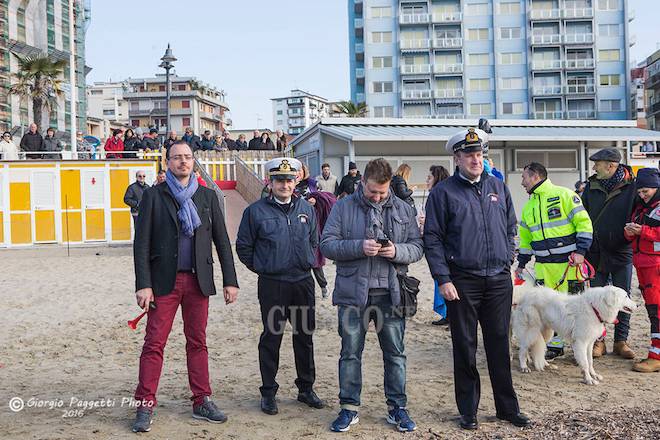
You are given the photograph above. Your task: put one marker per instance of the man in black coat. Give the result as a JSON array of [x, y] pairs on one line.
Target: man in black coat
[[469, 236], [134, 192], [255, 142], [349, 182], [32, 141], [177, 222], [608, 198]]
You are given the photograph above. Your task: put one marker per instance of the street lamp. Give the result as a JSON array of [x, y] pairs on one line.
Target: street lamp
[[167, 63]]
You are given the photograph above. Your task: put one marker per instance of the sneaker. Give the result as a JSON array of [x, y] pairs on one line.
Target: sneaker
[[400, 418], [344, 421], [209, 411], [553, 353], [324, 292], [142, 421]]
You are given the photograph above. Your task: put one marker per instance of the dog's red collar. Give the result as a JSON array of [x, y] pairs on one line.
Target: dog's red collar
[[616, 321]]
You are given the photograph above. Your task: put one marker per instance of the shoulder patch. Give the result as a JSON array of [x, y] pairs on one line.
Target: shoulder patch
[[577, 200]]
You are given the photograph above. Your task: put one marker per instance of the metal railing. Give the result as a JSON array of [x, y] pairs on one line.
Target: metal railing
[[415, 44], [578, 38], [546, 64], [586, 63], [578, 13], [581, 89], [447, 68], [210, 183], [548, 115], [415, 69], [447, 43], [414, 18], [447, 93], [545, 38], [443, 17], [547, 90], [581, 114], [416, 94], [545, 14]]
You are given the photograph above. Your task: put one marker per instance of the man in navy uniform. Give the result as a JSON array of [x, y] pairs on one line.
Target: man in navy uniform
[[277, 239], [469, 242]]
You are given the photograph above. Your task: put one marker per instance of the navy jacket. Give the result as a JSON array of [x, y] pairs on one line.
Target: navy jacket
[[470, 228], [276, 244]]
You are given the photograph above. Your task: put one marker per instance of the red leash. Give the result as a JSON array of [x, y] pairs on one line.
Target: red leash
[[583, 273]]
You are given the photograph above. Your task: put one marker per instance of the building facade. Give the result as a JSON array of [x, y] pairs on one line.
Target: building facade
[[38, 27], [652, 86], [293, 113], [505, 59], [106, 107], [192, 104]]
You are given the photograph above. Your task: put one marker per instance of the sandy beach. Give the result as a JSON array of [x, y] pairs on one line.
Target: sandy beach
[[65, 344]]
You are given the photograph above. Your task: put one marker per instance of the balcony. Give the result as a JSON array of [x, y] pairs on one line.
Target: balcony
[[447, 17], [414, 18], [449, 116], [546, 64], [416, 94], [415, 69], [578, 38], [423, 44], [550, 90], [578, 13], [545, 39], [448, 43], [417, 116], [544, 14], [441, 69], [358, 23], [581, 114], [209, 115], [581, 64], [548, 115], [445, 94], [359, 73], [296, 122], [581, 89], [359, 47]]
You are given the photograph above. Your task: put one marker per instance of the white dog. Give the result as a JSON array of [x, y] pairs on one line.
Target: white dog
[[578, 319]]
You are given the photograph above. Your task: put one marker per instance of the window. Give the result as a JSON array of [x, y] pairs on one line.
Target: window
[[279, 112], [610, 105], [381, 12], [478, 34], [110, 112], [477, 9], [480, 109], [383, 86], [181, 87], [512, 8], [513, 108], [480, 84], [608, 5], [478, 59], [511, 58], [135, 106], [280, 122], [609, 30], [135, 122], [512, 33], [511, 83], [384, 112], [186, 122], [185, 104], [609, 55], [381, 37], [381, 62], [610, 80], [97, 92], [161, 88]]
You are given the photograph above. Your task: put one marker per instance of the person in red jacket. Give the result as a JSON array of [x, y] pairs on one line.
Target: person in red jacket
[[644, 233], [114, 143]]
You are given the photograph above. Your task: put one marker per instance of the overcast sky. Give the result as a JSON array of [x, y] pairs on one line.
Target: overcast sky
[[253, 49]]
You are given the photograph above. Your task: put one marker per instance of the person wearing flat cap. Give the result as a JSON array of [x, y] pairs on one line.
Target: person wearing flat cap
[[643, 232], [277, 240], [469, 243], [608, 198]]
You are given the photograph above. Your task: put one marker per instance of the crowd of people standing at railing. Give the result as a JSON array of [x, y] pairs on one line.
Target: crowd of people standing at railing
[[127, 143]]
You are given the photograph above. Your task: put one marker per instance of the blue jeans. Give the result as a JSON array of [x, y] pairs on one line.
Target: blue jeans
[[439, 305], [621, 278], [353, 324]]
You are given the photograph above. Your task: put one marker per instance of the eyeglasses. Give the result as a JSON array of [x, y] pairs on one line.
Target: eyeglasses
[[141, 176], [180, 157]]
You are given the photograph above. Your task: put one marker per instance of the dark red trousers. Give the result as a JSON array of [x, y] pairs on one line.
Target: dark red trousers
[[194, 310], [649, 283]]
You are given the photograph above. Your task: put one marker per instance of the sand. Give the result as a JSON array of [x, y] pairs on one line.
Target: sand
[[64, 336]]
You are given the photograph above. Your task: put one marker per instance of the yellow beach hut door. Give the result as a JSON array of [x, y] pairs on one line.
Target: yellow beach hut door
[[93, 185], [44, 200]]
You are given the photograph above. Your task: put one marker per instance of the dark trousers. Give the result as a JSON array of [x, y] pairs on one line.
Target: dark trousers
[[194, 311], [283, 301], [620, 278], [486, 300], [320, 277]]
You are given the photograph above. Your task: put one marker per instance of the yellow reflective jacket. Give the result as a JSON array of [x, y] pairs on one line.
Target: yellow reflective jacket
[[553, 225]]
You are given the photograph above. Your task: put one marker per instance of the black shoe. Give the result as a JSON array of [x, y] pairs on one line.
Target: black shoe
[[209, 411], [469, 422], [310, 399], [269, 405], [142, 421], [520, 420], [441, 321], [553, 353]]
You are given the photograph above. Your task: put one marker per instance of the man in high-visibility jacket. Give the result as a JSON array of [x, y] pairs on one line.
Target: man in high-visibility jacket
[[556, 229]]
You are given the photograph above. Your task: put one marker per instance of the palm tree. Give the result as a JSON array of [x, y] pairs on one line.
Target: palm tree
[[38, 79], [352, 110]]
